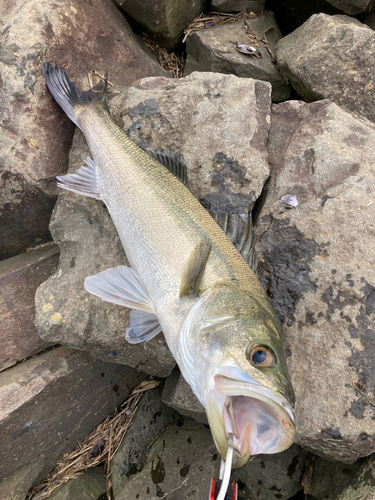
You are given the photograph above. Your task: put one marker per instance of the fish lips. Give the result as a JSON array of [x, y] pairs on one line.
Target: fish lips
[[260, 419]]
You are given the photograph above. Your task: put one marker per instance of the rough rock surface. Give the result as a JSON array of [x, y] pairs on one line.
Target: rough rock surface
[[54, 399], [331, 57], [318, 266], [194, 116], [255, 6], [88, 486], [180, 465], [351, 7], [273, 477], [65, 312], [151, 417], [165, 19], [35, 134], [19, 278], [177, 393], [363, 487], [211, 50], [16, 486]]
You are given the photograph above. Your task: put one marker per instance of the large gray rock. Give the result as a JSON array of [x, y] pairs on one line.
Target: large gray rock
[[53, 400], [151, 417], [165, 19], [17, 485], [20, 276], [255, 6], [363, 487], [317, 264], [211, 50], [180, 465], [200, 116], [35, 134], [273, 477], [88, 486], [65, 312], [351, 7], [331, 57]]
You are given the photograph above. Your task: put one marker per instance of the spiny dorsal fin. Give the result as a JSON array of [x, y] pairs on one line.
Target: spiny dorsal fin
[[194, 270], [174, 162]]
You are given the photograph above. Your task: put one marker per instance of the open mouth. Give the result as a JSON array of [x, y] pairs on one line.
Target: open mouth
[[260, 420]]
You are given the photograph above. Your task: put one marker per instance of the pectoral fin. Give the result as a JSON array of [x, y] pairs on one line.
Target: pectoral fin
[[84, 181], [194, 270]]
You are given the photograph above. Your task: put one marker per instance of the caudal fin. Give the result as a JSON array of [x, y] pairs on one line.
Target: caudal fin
[[67, 96]]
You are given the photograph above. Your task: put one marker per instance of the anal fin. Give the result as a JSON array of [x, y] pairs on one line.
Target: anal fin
[[84, 181]]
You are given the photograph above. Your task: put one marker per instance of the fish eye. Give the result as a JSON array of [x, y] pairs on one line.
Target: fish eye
[[260, 355]]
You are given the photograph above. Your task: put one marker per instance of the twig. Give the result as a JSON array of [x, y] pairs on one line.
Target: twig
[[362, 391], [163, 430]]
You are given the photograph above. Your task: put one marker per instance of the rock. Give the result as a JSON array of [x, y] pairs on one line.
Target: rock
[[177, 394], [271, 477], [53, 400], [88, 486], [194, 116], [211, 50], [183, 460], [19, 278], [351, 7], [255, 6], [363, 487], [16, 486], [65, 312], [331, 57], [151, 417], [35, 134], [370, 20], [165, 19], [317, 265]]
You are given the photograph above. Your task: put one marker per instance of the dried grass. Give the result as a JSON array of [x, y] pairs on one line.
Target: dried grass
[[99, 447], [204, 21], [167, 60]]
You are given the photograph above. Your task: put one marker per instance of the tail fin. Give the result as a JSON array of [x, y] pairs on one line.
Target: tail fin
[[67, 96]]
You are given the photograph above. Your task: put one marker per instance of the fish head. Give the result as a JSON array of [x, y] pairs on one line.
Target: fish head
[[244, 382]]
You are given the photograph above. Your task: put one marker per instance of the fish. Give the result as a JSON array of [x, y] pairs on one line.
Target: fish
[[186, 280]]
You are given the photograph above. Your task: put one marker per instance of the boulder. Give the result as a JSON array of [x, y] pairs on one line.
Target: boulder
[[17, 485], [35, 134], [177, 394], [152, 417], [65, 312], [351, 7], [255, 6], [331, 57], [200, 116], [317, 264], [213, 49], [180, 465], [273, 477], [363, 487], [20, 276], [164, 19], [52, 400], [90, 485]]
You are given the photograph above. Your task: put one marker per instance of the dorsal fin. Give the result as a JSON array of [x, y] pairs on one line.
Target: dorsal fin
[[174, 162]]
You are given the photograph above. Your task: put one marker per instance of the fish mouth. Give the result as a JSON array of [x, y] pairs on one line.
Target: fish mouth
[[260, 419]]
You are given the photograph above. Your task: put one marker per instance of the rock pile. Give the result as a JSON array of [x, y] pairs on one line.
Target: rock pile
[[246, 147]]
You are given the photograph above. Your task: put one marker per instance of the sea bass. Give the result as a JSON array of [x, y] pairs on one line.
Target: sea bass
[[186, 280]]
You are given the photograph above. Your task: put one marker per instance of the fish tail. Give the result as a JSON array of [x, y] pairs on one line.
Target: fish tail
[[66, 94]]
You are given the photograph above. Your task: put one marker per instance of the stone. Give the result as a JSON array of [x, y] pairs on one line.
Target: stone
[[17, 485], [164, 19], [177, 394], [65, 312], [317, 264], [351, 7], [331, 57], [180, 465], [370, 20], [35, 134], [255, 6], [272, 477], [90, 485], [363, 487], [19, 278], [151, 417], [194, 116], [53, 400], [212, 50]]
